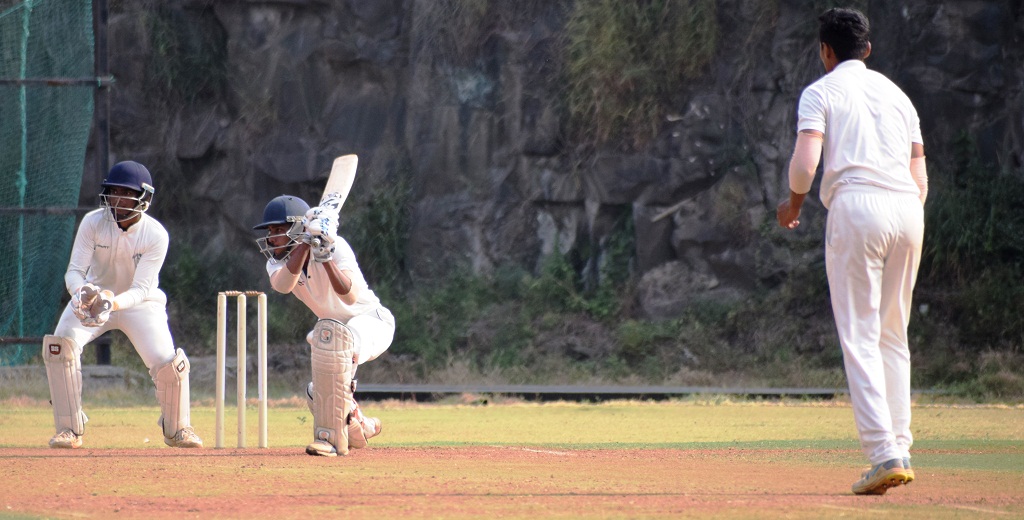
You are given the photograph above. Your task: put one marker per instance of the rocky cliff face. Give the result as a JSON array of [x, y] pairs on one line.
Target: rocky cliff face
[[235, 102]]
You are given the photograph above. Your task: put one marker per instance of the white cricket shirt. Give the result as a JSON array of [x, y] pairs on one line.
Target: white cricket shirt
[[126, 263], [315, 290], [869, 125]]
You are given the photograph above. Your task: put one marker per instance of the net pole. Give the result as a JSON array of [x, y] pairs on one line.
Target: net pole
[[101, 96], [22, 181], [101, 104]]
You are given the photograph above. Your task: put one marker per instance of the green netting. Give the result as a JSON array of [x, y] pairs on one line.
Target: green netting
[[44, 129]]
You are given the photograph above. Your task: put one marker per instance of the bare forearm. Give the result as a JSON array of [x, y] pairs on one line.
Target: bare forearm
[[284, 280], [341, 283], [802, 167], [298, 258]]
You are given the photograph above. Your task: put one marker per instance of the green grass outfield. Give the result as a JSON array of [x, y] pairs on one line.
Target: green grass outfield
[[713, 423]]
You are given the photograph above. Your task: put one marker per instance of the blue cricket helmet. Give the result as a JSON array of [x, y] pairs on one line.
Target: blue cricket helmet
[[285, 209], [133, 176], [129, 174], [279, 209]]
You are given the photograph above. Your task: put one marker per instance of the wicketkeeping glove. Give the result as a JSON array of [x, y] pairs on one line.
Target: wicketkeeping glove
[[82, 299], [100, 309]]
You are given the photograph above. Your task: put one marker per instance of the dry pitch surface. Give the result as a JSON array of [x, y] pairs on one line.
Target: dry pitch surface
[[618, 460]]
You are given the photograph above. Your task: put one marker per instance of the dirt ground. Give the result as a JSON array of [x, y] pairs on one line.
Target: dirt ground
[[477, 482]]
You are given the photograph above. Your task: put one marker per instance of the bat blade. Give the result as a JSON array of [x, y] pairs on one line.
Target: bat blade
[[343, 174]]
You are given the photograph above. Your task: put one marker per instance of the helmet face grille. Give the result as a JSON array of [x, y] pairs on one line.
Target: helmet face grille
[[284, 209], [281, 253], [109, 203]]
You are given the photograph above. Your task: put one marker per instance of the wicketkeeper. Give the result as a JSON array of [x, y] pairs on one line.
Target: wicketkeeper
[[112, 277], [305, 257]]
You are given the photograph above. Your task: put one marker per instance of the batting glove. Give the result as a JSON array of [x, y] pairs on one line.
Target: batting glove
[[322, 253], [322, 220], [324, 227]]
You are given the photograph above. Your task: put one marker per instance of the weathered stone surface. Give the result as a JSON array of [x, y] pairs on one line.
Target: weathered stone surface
[[653, 237], [666, 290], [621, 179], [475, 114]]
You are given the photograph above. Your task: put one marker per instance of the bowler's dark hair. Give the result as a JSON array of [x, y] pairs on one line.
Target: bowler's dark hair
[[845, 30]]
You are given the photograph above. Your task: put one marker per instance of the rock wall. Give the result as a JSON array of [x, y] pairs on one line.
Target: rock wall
[[234, 102]]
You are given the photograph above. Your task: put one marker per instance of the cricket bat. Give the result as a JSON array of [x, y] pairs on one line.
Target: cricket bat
[[343, 174]]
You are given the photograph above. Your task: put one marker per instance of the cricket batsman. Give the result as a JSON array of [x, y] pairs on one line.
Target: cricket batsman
[[113, 278], [305, 257]]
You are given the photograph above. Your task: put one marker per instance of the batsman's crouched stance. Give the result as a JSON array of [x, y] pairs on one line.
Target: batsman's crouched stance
[[320, 269]]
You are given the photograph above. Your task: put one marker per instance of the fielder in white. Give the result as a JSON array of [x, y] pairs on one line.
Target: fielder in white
[[113, 281], [874, 187], [305, 257]]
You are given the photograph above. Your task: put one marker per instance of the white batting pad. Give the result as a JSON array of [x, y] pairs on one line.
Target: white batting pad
[[333, 362], [172, 392], [64, 373], [356, 434]]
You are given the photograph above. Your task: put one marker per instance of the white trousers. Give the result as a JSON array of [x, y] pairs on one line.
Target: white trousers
[[145, 325], [872, 250], [372, 333]]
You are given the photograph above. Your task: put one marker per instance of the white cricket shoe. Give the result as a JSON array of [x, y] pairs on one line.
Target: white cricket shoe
[[361, 429], [881, 477], [185, 438], [66, 439], [322, 449]]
